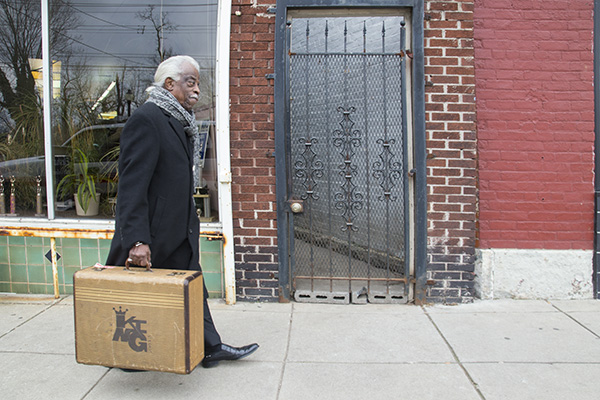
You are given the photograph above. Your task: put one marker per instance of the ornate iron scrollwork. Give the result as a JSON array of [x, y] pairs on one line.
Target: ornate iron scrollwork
[[387, 171], [349, 200], [308, 168]]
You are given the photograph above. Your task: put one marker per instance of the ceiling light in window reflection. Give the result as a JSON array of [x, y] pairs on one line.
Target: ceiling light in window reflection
[[36, 71], [106, 93]]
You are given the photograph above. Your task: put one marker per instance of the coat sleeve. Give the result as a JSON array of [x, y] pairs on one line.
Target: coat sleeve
[[140, 148]]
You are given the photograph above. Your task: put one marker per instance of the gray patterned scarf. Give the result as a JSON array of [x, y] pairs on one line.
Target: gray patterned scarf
[[165, 100]]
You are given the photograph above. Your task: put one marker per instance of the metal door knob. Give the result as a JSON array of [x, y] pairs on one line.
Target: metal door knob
[[296, 207]]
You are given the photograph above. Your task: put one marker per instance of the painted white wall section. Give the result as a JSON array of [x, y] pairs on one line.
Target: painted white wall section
[[223, 150], [534, 274]]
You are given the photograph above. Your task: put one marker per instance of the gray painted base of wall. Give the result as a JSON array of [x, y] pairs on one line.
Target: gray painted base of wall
[[534, 274]]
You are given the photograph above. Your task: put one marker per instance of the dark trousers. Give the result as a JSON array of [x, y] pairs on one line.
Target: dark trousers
[[211, 336], [180, 259]]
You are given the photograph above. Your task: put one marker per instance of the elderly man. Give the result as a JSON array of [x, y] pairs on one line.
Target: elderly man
[[156, 220]]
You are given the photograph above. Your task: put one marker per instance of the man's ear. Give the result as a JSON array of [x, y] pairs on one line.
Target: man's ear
[[169, 84]]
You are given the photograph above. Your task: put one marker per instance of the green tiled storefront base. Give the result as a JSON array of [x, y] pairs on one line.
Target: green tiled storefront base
[[25, 269]]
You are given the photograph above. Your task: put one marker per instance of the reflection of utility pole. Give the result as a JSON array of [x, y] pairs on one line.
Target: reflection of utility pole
[[129, 99]]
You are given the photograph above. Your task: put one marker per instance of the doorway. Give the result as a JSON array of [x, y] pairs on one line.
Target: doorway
[[348, 157]]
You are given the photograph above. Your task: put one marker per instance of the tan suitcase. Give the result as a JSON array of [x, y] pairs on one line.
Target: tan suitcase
[[138, 319]]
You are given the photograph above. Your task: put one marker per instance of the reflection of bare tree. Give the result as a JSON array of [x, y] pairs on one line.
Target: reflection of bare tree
[[20, 40], [160, 24], [206, 104], [74, 103]]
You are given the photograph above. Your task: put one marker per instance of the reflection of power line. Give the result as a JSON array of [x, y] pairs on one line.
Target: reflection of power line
[[113, 55], [121, 5], [194, 14], [100, 19], [96, 49], [142, 55], [112, 67], [57, 32], [119, 67], [117, 30], [134, 27], [148, 58]]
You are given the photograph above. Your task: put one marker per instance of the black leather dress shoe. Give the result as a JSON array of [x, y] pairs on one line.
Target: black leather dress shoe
[[227, 353]]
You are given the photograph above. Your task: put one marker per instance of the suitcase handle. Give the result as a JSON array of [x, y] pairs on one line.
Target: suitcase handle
[[128, 264]]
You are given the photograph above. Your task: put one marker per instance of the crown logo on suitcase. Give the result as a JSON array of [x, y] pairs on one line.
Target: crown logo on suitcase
[[130, 331]]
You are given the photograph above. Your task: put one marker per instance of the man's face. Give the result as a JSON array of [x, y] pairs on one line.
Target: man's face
[[186, 89]]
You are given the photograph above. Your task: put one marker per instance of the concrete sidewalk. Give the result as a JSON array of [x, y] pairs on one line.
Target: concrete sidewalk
[[506, 349]]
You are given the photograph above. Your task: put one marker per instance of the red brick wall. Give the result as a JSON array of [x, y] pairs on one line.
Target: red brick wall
[[252, 150], [451, 149], [535, 108]]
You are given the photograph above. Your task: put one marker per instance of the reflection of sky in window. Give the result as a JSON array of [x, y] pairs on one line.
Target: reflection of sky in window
[[111, 34], [356, 39]]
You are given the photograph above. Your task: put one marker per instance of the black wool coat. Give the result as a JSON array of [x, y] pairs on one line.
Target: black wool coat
[[155, 192]]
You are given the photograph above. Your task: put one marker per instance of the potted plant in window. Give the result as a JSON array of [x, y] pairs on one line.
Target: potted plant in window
[[82, 183]]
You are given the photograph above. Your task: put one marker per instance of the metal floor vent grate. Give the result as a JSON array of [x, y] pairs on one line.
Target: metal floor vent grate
[[307, 296], [359, 297]]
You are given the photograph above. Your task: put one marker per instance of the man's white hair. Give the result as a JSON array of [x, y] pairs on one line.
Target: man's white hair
[[172, 68]]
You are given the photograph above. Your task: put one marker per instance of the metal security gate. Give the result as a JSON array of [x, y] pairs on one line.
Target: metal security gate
[[348, 152]]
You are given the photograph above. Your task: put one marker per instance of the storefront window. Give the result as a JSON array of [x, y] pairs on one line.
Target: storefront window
[[104, 55]]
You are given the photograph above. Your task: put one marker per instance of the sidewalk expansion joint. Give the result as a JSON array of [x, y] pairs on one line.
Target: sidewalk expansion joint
[[39, 353], [576, 321], [287, 350], [28, 319], [454, 355], [96, 384]]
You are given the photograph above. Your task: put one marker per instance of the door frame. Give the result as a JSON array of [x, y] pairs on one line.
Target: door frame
[[284, 215], [596, 257]]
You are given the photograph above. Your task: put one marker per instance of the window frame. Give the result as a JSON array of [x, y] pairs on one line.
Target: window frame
[[96, 227]]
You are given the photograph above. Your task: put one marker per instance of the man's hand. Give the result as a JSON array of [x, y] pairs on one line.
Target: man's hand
[[140, 255]]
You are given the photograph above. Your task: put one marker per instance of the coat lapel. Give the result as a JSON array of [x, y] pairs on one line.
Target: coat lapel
[[181, 135]]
